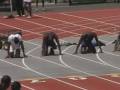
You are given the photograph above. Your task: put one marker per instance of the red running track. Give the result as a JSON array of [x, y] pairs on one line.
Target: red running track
[[65, 26]]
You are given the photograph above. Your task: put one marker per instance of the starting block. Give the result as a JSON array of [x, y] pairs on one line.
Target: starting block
[[68, 44]]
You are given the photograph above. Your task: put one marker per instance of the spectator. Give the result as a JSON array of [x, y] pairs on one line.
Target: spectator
[[37, 2], [19, 7], [16, 86], [5, 82], [28, 8]]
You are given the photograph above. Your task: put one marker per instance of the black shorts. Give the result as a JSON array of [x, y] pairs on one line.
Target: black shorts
[[52, 45]]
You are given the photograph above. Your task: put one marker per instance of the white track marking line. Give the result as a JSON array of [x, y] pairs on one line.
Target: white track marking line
[[67, 67], [108, 17], [45, 26], [19, 28], [87, 23], [89, 11], [29, 69], [82, 25], [32, 22], [106, 63], [58, 28], [67, 22], [101, 61], [67, 83], [26, 20], [23, 61], [97, 55], [37, 28], [75, 69], [112, 20], [75, 24], [18, 67], [13, 64], [23, 85], [111, 53], [28, 87], [91, 60], [91, 20], [79, 70]]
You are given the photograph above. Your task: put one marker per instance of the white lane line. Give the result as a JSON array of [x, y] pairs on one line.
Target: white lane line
[[57, 28], [67, 83], [75, 24], [19, 28], [106, 63], [28, 87], [34, 22], [45, 26], [90, 19], [82, 25], [28, 69], [59, 64], [64, 65], [23, 61], [18, 67], [97, 55], [112, 20], [92, 11], [91, 60], [75, 69], [13, 64], [108, 17], [101, 61], [23, 85], [111, 53]]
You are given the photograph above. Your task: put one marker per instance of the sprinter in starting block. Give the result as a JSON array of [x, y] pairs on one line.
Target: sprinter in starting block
[[117, 43], [15, 45], [50, 40], [87, 45]]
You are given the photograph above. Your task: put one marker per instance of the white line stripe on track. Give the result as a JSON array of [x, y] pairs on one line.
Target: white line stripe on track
[[79, 70], [75, 69], [108, 17], [45, 25], [23, 61], [67, 83], [90, 19], [75, 24], [111, 53]]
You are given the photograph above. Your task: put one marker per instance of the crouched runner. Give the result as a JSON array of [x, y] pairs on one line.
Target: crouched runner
[[15, 45], [117, 43], [50, 39], [87, 44]]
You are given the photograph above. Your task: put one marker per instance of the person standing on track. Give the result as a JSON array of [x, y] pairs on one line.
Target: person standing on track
[[49, 41], [86, 43], [19, 7], [15, 44], [28, 8]]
